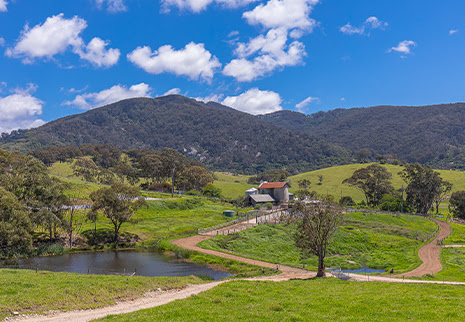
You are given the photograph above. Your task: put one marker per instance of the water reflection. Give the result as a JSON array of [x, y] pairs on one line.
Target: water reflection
[[120, 262]]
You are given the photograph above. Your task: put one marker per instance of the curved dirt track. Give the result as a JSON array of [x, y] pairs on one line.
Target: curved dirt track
[[429, 253], [190, 243]]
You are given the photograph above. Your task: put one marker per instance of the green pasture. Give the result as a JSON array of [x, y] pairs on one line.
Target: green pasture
[[457, 235], [26, 291], [168, 218], [373, 240], [333, 177], [313, 300]]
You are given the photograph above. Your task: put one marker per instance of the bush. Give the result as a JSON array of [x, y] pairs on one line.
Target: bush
[[268, 205], [161, 187], [457, 204], [346, 201], [211, 191], [50, 249], [192, 192], [393, 203]]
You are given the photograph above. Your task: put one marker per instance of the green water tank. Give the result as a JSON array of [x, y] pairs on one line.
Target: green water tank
[[229, 213]]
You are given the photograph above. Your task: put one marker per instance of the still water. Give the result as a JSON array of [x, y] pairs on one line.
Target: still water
[[119, 262]]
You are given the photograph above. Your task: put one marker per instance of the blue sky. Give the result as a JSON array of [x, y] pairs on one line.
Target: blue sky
[[64, 57]]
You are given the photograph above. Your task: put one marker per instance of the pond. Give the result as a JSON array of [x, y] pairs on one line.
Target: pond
[[120, 262]]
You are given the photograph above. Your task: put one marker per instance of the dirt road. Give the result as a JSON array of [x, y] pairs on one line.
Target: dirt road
[[429, 253]]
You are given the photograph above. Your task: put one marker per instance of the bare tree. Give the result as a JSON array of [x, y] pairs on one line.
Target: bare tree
[[317, 223]]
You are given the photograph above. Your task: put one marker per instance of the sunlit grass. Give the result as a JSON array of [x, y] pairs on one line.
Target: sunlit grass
[[313, 300]]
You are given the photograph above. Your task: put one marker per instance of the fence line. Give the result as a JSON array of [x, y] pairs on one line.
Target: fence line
[[259, 216]]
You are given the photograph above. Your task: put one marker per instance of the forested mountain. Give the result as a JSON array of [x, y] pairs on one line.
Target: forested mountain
[[432, 134], [220, 137]]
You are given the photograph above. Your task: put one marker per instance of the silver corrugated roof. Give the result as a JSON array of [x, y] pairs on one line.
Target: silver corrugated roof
[[262, 198]]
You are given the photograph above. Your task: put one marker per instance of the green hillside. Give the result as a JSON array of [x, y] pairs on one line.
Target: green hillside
[[431, 134], [333, 177], [221, 138]]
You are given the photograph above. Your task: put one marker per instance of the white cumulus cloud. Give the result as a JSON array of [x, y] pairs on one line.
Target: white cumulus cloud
[[194, 61], [271, 51], [288, 14], [302, 105], [255, 101], [20, 110], [55, 36], [197, 6], [96, 53], [453, 31], [369, 24], [112, 6], [3, 4], [403, 47], [107, 96]]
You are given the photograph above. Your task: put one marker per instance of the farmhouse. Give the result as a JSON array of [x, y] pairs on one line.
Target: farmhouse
[[278, 190], [272, 192]]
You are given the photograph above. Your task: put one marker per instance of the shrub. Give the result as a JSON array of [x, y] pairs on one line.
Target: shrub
[[393, 203], [192, 192], [155, 186], [346, 201], [211, 191], [268, 205]]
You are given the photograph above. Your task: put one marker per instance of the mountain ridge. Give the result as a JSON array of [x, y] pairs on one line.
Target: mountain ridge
[[217, 135], [431, 134]]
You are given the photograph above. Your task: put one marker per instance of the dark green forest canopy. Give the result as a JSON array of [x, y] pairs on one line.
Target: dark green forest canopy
[[218, 136], [433, 135]]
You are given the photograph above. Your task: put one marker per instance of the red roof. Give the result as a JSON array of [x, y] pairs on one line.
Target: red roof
[[272, 185]]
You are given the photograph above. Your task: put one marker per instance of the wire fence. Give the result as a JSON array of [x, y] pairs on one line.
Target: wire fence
[[246, 221]]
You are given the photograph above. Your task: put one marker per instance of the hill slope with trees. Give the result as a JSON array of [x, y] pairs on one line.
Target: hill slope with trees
[[216, 135], [433, 134]]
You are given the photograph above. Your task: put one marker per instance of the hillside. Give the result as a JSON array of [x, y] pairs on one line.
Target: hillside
[[432, 134], [220, 137]]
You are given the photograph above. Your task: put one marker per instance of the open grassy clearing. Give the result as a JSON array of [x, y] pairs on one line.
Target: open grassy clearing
[[312, 300], [457, 235], [373, 240], [26, 291]]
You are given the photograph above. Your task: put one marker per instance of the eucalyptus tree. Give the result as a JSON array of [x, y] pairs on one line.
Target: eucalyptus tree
[[424, 186], [374, 181], [317, 223], [118, 203]]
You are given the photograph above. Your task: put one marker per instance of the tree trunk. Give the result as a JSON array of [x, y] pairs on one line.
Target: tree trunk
[[321, 266], [116, 232]]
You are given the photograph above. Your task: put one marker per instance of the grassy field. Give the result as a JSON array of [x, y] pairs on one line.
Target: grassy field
[[168, 218], [26, 291], [234, 186], [313, 300], [373, 240], [457, 235]]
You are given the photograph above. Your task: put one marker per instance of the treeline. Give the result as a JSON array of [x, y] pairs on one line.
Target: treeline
[[165, 170], [29, 198], [424, 188]]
